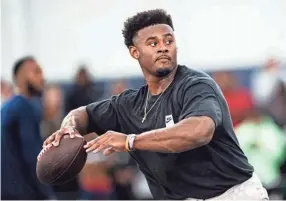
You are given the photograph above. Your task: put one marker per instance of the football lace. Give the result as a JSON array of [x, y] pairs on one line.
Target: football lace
[[43, 151]]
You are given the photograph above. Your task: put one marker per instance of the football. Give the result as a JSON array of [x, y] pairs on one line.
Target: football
[[58, 165]]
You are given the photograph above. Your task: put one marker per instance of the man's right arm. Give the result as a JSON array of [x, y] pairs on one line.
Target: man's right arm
[[98, 117], [78, 119], [75, 120]]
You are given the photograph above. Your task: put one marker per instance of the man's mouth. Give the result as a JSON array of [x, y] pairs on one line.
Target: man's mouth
[[163, 57]]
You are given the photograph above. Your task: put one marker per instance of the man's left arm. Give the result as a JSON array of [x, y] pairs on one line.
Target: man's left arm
[[201, 114], [188, 134]]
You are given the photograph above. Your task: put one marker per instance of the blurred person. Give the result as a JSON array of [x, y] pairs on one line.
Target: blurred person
[[52, 102], [6, 91], [123, 176], [122, 173], [277, 109], [118, 87], [83, 91], [265, 78], [94, 179], [140, 187], [238, 98], [20, 135], [263, 142], [177, 127], [272, 99]]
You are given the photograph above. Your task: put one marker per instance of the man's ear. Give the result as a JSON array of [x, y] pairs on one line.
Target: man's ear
[[134, 52]]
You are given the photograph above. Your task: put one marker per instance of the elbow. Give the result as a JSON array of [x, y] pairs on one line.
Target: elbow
[[206, 130], [200, 139], [205, 138], [203, 133]]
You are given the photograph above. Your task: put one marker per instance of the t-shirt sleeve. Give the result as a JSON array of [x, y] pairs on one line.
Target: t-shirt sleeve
[[200, 99], [103, 116]]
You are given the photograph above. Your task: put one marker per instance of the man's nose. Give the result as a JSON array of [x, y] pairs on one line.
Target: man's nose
[[162, 48]]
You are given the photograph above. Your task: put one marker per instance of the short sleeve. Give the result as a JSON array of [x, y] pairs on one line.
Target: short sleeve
[[200, 99], [103, 116]]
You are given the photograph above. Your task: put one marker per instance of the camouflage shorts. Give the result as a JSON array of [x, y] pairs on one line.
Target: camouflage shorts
[[251, 189]]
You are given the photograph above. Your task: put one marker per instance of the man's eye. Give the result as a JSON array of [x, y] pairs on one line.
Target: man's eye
[[153, 44], [168, 42]]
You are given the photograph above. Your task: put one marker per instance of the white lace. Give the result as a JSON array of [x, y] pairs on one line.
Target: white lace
[[43, 151]]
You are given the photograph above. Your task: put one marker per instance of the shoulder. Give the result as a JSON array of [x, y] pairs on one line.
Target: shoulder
[[128, 95], [14, 103], [11, 109], [191, 78], [129, 99]]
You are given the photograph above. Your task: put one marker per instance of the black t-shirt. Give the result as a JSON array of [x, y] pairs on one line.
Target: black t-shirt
[[201, 173]]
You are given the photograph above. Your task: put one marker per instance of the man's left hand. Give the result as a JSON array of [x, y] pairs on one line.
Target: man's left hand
[[109, 142]]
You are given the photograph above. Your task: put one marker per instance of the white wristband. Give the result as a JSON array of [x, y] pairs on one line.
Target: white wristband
[[131, 139]]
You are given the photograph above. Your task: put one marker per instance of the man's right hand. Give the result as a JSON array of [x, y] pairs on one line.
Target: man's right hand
[[55, 138]]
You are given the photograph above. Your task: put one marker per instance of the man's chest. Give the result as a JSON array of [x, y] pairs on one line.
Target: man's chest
[[156, 115]]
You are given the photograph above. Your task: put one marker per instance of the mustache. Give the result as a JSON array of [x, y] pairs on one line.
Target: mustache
[[163, 57]]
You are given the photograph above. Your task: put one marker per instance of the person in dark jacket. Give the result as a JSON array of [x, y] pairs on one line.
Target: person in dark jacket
[[20, 135], [83, 91]]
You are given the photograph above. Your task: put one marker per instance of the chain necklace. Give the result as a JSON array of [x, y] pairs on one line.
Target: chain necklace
[[146, 103]]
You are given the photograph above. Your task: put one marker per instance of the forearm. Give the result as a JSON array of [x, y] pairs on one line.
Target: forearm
[[185, 135], [77, 118]]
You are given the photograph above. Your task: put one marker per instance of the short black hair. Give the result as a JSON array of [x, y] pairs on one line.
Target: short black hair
[[144, 19], [19, 63]]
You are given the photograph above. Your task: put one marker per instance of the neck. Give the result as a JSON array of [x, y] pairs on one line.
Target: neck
[[158, 85], [22, 91]]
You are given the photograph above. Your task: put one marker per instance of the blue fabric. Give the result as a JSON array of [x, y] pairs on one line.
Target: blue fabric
[[20, 145]]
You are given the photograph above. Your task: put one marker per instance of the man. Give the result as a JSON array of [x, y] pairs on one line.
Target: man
[[83, 91], [177, 127], [20, 135], [272, 99]]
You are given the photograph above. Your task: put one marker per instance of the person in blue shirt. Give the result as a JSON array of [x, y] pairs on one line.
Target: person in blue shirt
[[20, 135]]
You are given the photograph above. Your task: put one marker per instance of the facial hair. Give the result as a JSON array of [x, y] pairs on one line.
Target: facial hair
[[164, 72], [33, 91]]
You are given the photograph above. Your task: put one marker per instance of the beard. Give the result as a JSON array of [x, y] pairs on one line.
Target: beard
[[164, 72], [34, 91]]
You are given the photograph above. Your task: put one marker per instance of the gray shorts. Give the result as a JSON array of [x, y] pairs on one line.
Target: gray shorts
[[251, 189]]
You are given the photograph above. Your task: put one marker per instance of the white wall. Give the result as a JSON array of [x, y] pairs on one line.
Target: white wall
[[60, 33]]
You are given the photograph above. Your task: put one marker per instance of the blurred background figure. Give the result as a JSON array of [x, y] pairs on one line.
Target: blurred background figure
[[118, 86], [269, 90], [238, 97], [52, 103], [20, 135], [123, 175], [6, 91], [266, 78], [263, 142], [128, 182], [95, 181], [53, 111], [83, 92]]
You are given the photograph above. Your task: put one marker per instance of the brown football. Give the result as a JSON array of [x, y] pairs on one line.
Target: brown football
[[58, 165]]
